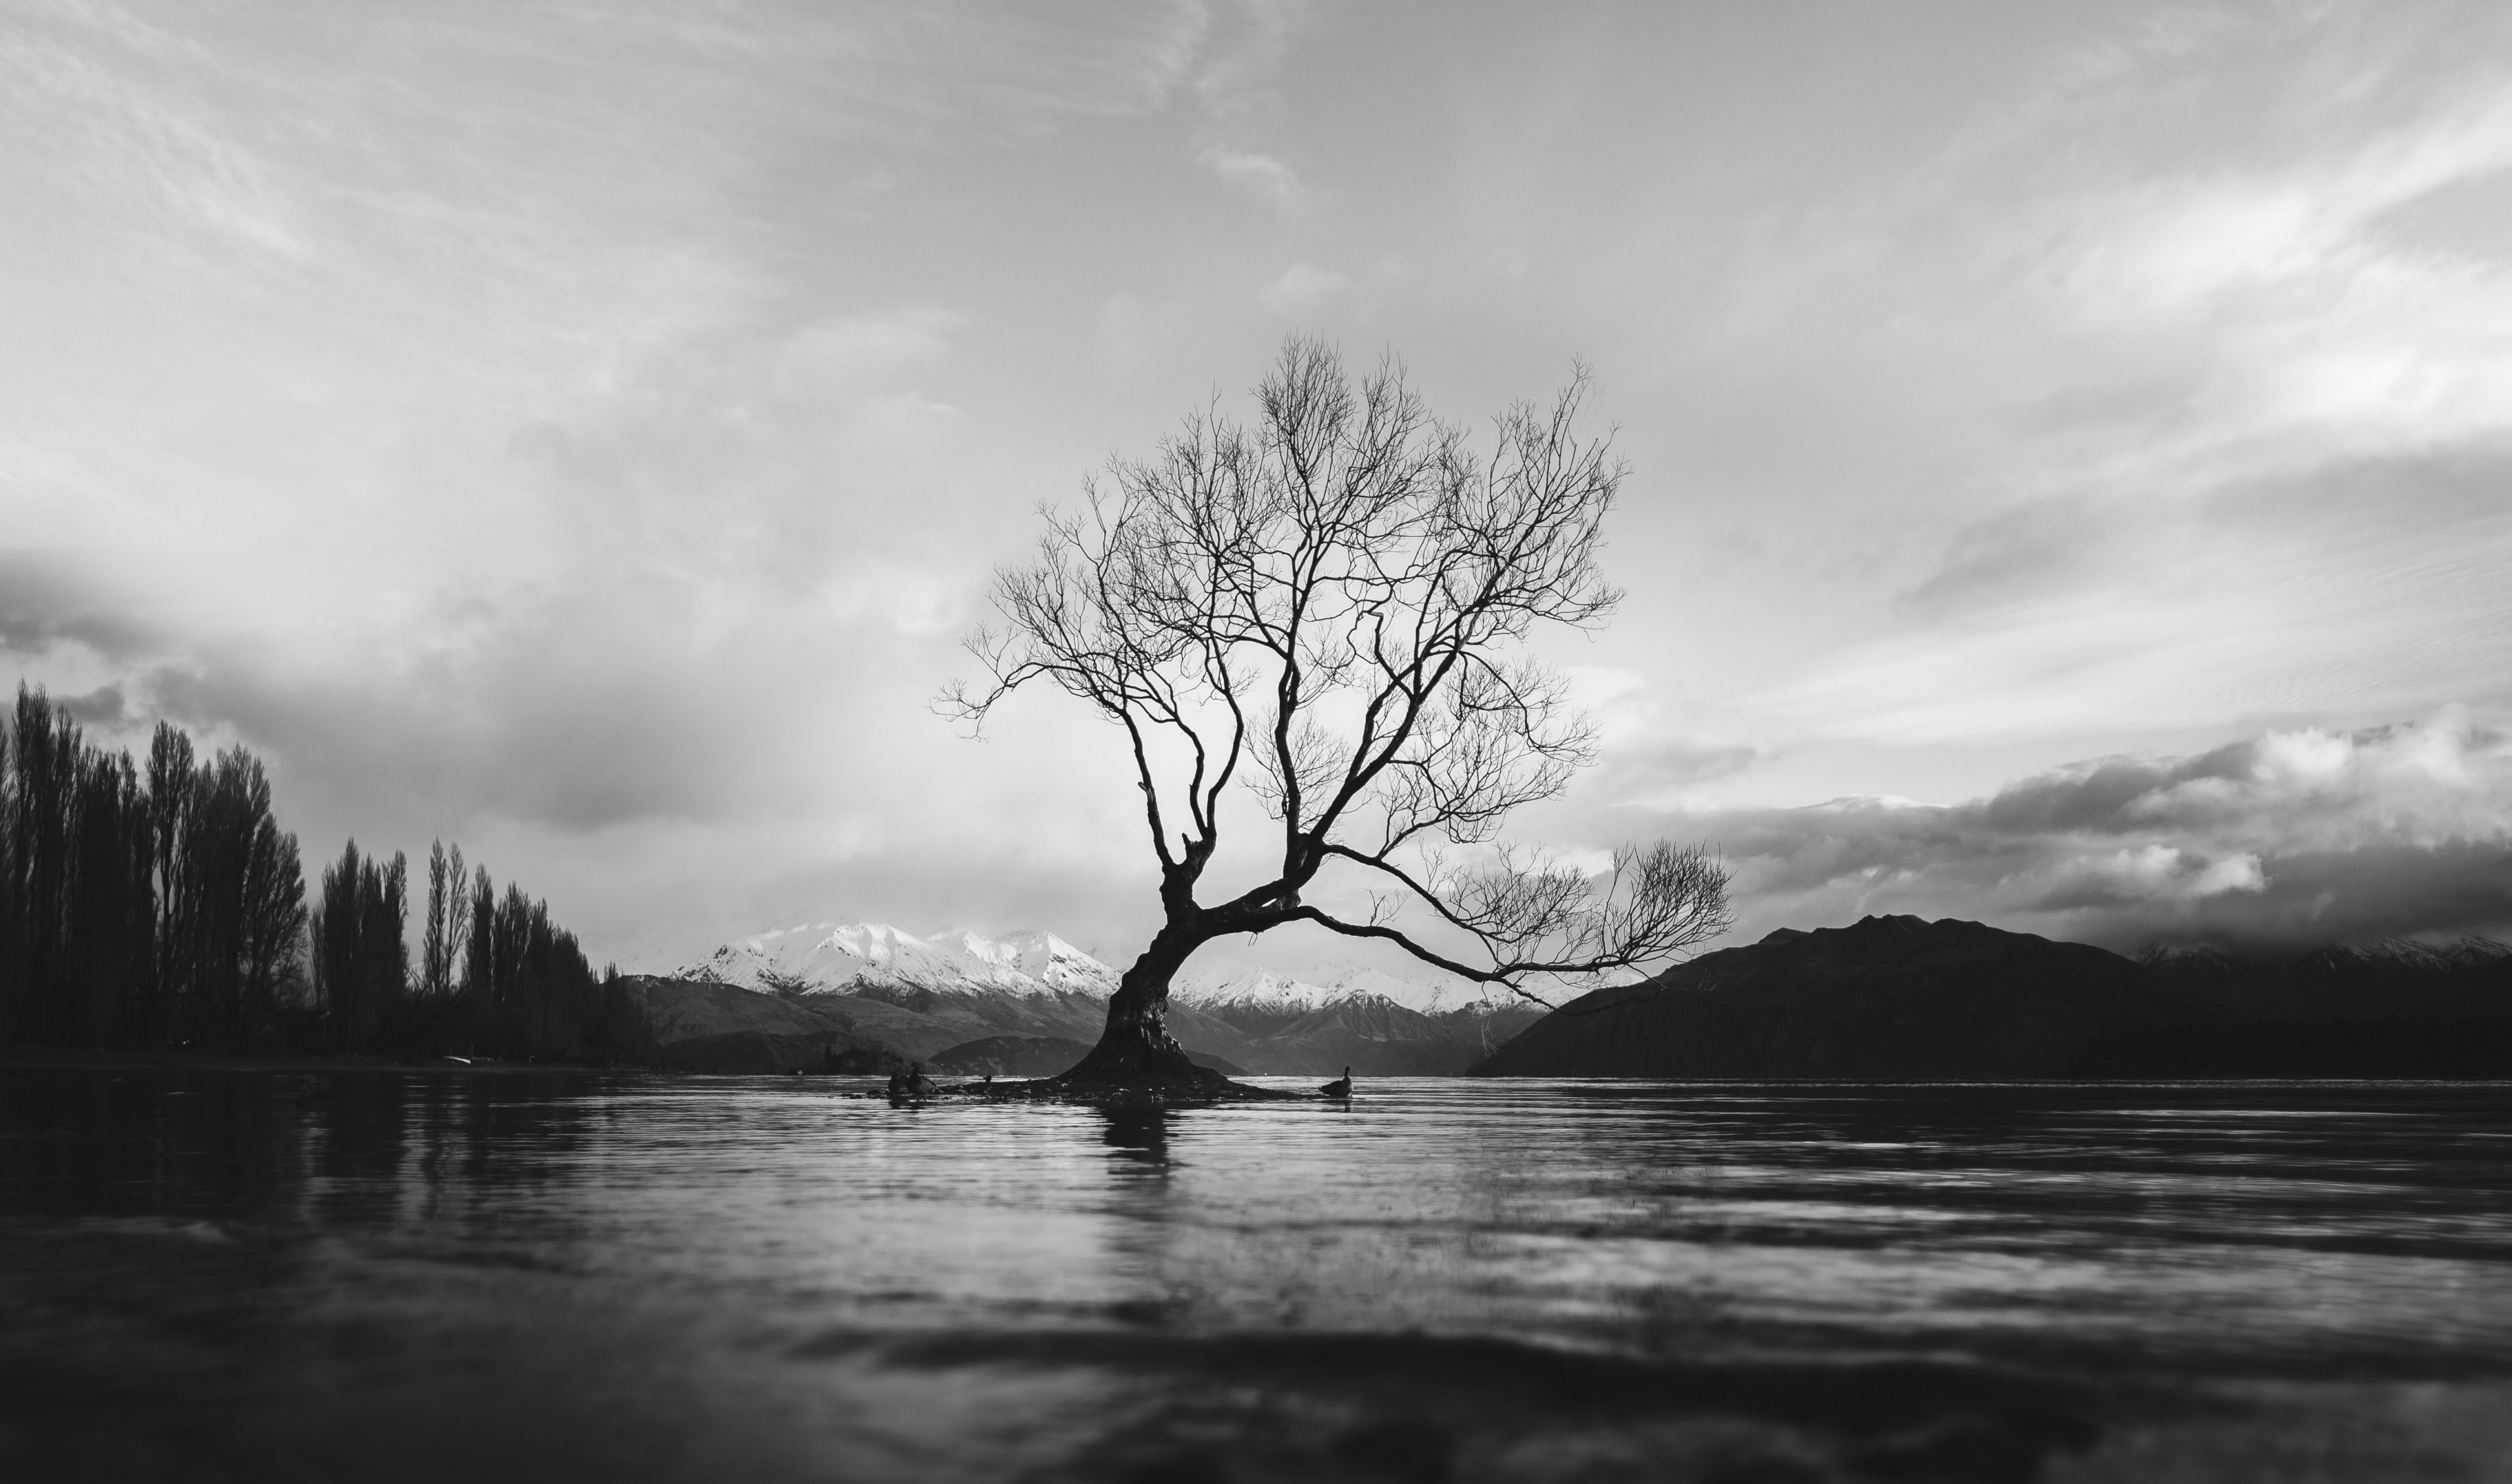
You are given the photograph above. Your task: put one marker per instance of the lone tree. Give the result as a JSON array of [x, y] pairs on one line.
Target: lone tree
[[1327, 609]]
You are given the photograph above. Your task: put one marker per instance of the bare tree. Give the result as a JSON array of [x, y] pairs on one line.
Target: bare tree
[[1327, 609], [441, 937]]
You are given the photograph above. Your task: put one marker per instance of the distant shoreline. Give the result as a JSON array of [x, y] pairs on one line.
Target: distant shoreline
[[59, 1058]]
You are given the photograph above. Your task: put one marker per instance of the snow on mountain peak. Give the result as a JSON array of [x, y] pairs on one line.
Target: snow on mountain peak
[[829, 957], [825, 958], [1237, 986]]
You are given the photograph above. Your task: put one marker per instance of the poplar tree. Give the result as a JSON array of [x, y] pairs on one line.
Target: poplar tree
[[361, 960]]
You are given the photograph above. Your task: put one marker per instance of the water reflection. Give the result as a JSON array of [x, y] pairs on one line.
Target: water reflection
[[1138, 1140], [416, 1275]]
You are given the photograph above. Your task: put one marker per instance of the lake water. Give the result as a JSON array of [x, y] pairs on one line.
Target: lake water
[[561, 1276]]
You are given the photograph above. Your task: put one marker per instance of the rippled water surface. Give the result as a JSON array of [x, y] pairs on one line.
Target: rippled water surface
[[249, 1275]]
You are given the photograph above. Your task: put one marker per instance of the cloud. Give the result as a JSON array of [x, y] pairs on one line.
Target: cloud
[[1245, 45], [104, 706], [2153, 398], [2362, 586], [89, 89], [2288, 837], [2022, 553], [2312, 318], [1304, 289], [762, 460], [579, 715], [1669, 774], [1245, 48], [1260, 175], [48, 598]]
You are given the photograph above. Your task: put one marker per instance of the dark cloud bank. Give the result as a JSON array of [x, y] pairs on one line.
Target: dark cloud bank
[[2282, 841]]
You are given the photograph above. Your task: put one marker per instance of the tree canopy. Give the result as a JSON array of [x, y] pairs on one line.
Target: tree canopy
[[1328, 606]]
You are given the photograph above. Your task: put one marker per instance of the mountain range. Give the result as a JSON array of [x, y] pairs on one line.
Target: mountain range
[[922, 995], [1884, 998], [1898, 999]]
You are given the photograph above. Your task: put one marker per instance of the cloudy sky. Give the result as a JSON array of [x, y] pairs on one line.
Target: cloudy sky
[[2072, 445]]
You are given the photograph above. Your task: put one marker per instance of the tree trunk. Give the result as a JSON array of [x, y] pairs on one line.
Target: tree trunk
[[1136, 1050]]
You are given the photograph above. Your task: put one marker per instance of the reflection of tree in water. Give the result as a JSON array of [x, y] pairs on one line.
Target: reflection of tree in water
[[386, 1148], [359, 1123], [1157, 1285], [1138, 1140]]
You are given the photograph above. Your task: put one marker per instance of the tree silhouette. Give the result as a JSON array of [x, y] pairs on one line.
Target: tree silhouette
[[1327, 608], [243, 902], [533, 993], [140, 909], [176, 911], [107, 908], [361, 960], [448, 923], [165, 906], [43, 769]]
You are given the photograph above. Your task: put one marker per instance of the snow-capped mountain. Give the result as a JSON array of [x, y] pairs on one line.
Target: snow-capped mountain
[[1237, 986], [833, 959], [829, 957], [924, 996]]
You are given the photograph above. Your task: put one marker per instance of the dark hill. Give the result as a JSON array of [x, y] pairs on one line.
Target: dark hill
[[695, 1025], [1888, 998], [1373, 1036], [2395, 1009], [2395, 980]]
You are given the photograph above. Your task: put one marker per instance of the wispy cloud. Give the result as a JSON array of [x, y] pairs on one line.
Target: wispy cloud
[[1248, 44], [756, 458], [2232, 349], [2323, 330], [1260, 175], [1304, 290], [114, 107]]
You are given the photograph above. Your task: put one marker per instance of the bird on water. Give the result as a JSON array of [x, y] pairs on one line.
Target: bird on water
[[1339, 1089]]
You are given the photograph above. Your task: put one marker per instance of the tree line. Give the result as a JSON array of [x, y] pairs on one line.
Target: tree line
[[160, 904], [496, 974]]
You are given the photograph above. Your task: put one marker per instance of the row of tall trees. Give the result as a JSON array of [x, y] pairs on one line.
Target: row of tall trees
[[361, 960], [153, 909], [530, 990], [496, 975], [165, 907]]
